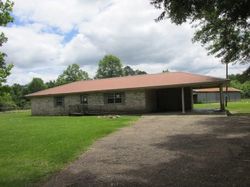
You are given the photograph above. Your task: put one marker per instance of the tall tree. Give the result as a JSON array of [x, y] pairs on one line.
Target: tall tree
[[71, 74], [5, 17], [223, 26], [109, 66], [35, 85]]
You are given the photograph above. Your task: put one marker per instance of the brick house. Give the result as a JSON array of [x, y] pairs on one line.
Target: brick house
[[161, 92]]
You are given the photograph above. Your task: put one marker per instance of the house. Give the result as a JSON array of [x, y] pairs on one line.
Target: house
[[162, 92], [212, 95]]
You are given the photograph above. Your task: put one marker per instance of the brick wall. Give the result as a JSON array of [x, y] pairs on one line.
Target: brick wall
[[134, 102]]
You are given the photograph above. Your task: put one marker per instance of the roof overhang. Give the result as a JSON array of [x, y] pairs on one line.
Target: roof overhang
[[192, 85]]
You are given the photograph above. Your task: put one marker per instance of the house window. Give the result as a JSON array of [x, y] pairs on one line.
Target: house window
[[59, 101], [112, 98], [84, 99]]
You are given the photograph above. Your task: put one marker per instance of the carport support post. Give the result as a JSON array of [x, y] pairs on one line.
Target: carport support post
[[183, 100], [192, 99], [222, 107]]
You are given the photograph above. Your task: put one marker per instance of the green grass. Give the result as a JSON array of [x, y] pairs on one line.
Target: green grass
[[32, 148], [240, 107]]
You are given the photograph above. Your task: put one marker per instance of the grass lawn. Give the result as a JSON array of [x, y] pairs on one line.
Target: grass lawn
[[32, 148], [240, 107]]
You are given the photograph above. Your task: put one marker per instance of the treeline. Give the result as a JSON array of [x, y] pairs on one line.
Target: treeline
[[242, 82], [13, 97]]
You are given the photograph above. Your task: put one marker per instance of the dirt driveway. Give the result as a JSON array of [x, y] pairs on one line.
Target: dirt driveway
[[184, 150]]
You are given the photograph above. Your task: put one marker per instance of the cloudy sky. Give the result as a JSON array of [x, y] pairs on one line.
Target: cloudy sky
[[48, 35]]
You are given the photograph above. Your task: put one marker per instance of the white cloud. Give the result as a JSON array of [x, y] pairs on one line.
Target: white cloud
[[38, 46], [80, 50], [62, 14], [28, 47]]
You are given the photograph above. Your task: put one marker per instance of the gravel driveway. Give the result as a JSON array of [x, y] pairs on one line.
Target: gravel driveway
[[167, 150]]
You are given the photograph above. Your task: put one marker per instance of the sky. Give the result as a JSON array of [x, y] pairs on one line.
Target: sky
[[49, 35]]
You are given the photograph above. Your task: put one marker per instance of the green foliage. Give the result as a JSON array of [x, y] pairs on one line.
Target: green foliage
[[5, 12], [51, 84], [165, 71], [6, 102], [245, 76], [139, 72], [31, 148], [128, 71], [242, 82], [4, 70], [35, 85], [5, 17], [18, 93], [71, 74], [244, 87], [222, 25], [109, 66]]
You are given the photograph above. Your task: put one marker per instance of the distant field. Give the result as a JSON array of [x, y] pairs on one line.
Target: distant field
[[32, 148], [242, 106]]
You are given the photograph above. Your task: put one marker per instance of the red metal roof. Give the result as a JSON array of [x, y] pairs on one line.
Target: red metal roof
[[169, 79], [209, 90]]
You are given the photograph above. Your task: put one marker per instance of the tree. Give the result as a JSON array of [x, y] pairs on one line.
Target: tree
[[139, 72], [36, 85], [6, 101], [222, 25], [245, 76], [5, 18], [71, 74], [127, 70], [242, 82], [51, 84], [18, 93], [109, 66]]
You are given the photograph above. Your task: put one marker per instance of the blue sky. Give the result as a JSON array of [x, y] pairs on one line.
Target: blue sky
[[48, 35]]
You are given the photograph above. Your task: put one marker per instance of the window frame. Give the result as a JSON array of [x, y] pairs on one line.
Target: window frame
[[59, 103], [82, 100], [111, 98]]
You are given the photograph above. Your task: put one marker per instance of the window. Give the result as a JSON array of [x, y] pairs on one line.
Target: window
[[84, 99], [111, 98], [59, 101]]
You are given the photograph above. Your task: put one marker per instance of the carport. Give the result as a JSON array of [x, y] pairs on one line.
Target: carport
[[178, 98]]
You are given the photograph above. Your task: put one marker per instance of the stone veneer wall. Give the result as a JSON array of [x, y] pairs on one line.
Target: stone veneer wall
[[135, 102]]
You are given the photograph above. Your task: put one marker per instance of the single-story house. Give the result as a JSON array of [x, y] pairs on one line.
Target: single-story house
[[163, 92], [212, 95]]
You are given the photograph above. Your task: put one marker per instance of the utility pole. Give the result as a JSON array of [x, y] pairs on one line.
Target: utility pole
[[226, 98]]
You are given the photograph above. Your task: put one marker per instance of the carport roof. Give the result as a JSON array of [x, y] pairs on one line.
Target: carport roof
[[212, 90], [148, 81]]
